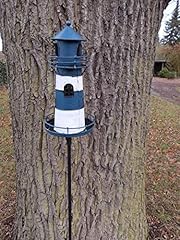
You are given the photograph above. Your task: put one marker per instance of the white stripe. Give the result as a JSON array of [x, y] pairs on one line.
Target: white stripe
[[77, 82], [69, 119]]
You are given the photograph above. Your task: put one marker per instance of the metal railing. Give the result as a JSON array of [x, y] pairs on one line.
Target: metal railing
[[71, 62], [49, 124]]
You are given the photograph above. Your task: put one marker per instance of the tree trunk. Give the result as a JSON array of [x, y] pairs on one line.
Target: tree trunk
[[108, 165]]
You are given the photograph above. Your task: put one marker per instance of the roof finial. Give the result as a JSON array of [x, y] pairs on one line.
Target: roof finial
[[68, 23]]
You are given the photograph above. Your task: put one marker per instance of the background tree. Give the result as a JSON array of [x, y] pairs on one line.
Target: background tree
[[108, 167], [172, 28]]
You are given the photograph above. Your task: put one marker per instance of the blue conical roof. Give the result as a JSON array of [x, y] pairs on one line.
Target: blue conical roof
[[68, 33]]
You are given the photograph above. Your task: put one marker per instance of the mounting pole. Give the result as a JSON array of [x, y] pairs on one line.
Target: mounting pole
[[68, 139]]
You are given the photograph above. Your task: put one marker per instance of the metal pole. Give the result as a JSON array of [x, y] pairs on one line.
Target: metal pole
[[69, 187]]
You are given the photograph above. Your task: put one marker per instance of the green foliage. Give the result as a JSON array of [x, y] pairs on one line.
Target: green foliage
[[172, 28], [165, 73], [3, 73]]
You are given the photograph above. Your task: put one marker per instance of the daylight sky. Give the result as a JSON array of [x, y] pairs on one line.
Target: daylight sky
[[167, 14]]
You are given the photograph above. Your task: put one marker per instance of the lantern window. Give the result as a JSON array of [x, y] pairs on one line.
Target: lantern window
[[79, 50]]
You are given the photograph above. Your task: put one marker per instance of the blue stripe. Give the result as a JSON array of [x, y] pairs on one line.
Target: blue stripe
[[74, 102], [69, 72]]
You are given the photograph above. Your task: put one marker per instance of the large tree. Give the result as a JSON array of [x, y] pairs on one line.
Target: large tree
[[108, 166]]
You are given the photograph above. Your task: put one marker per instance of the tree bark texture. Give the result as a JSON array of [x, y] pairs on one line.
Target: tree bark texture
[[108, 166]]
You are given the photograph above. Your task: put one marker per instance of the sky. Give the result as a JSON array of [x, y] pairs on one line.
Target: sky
[[167, 15]]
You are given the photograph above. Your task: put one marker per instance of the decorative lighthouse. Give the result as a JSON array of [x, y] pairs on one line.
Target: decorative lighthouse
[[69, 106], [69, 63], [69, 119]]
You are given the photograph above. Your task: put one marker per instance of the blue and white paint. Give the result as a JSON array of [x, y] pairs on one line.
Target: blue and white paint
[[69, 110], [68, 62]]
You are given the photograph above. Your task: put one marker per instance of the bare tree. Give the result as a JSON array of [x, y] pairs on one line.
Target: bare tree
[[108, 166]]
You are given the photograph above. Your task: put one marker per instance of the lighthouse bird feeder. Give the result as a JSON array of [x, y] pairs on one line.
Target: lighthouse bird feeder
[[69, 119], [69, 63]]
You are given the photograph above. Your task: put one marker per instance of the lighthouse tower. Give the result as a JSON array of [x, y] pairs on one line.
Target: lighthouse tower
[[69, 63]]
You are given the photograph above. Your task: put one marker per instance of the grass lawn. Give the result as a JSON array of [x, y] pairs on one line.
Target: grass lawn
[[163, 152], [7, 169], [163, 148]]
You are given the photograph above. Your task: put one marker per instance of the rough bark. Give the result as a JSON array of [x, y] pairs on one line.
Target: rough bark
[[108, 166]]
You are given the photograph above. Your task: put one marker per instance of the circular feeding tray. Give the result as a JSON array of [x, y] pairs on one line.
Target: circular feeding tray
[[66, 132]]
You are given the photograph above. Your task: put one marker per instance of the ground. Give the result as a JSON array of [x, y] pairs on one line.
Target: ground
[[163, 152], [7, 169], [168, 89]]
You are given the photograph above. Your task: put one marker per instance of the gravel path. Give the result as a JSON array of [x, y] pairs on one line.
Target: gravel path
[[168, 89]]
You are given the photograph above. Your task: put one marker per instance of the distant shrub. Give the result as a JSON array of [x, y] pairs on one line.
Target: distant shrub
[[165, 73], [172, 55], [3, 73]]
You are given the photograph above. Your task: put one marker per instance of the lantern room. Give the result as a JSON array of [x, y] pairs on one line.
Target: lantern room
[[68, 48]]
